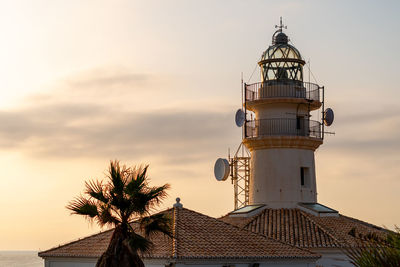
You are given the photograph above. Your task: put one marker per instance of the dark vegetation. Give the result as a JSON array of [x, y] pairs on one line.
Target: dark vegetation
[[125, 201], [374, 251]]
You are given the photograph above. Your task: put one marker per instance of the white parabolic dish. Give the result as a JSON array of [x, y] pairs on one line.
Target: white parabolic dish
[[221, 169]]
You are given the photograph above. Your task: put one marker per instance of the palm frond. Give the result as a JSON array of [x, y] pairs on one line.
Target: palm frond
[[116, 176], [121, 206], [106, 216], [139, 243], [137, 180], [158, 194], [156, 223], [83, 206], [142, 201], [96, 190], [155, 195]]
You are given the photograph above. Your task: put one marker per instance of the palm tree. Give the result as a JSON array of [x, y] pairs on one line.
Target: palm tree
[[124, 202]]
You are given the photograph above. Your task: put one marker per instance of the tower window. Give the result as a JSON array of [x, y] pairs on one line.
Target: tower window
[[298, 123], [305, 177]]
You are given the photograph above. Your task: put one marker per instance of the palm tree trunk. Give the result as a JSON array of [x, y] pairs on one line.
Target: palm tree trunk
[[119, 253]]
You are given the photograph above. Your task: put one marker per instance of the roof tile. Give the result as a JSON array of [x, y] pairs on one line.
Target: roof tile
[[196, 236], [305, 230]]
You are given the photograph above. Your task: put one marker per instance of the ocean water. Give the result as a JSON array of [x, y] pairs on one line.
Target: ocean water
[[20, 259]]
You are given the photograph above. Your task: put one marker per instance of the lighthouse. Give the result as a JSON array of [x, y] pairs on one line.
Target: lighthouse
[[281, 131], [282, 137]]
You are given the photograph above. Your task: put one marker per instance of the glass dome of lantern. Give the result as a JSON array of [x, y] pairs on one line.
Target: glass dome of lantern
[[281, 62]]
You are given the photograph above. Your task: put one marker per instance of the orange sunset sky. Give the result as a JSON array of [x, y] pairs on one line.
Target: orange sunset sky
[[158, 82]]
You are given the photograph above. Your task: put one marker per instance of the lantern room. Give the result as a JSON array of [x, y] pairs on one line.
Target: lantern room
[[281, 62]]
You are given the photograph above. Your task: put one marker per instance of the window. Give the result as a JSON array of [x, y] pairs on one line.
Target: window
[[298, 123], [318, 207], [305, 177], [247, 209]]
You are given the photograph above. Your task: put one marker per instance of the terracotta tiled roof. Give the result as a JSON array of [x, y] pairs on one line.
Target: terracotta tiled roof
[[299, 228], [93, 246], [341, 226], [196, 236], [203, 236]]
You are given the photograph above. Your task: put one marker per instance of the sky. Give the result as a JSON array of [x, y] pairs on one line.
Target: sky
[[158, 82]]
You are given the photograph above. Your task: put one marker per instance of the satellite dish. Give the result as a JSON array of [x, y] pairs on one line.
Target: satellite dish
[[328, 117], [240, 117], [221, 169]]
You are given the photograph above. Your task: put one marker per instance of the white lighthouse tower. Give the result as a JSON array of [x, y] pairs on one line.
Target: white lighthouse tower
[[279, 131], [282, 137]]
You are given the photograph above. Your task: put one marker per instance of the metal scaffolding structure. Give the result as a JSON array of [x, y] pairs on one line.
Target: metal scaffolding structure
[[240, 176]]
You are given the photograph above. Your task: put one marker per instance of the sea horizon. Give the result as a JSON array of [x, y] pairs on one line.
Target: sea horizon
[[20, 258]]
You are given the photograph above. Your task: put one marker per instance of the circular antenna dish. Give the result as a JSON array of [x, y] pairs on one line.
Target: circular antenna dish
[[328, 117], [240, 117], [221, 169]]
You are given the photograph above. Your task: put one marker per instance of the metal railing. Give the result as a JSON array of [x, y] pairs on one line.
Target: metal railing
[[288, 127], [273, 89]]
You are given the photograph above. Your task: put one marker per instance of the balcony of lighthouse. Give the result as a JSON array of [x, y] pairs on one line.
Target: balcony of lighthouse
[[288, 92], [300, 133]]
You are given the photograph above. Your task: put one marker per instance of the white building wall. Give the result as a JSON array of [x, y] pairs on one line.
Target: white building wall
[[84, 262], [275, 177], [333, 257], [70, 262], [276, 263], [281, 111]]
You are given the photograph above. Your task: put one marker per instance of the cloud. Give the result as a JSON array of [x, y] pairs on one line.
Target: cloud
[[372, 132], [75, 130], [101, 86], [349, 117], [76, 118], [107, 80]]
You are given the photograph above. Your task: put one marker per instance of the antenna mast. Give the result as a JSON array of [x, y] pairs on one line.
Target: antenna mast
[[242, 102], [280, 26]]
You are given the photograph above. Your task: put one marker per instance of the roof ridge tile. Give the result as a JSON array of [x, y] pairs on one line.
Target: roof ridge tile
[[175, 233]]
